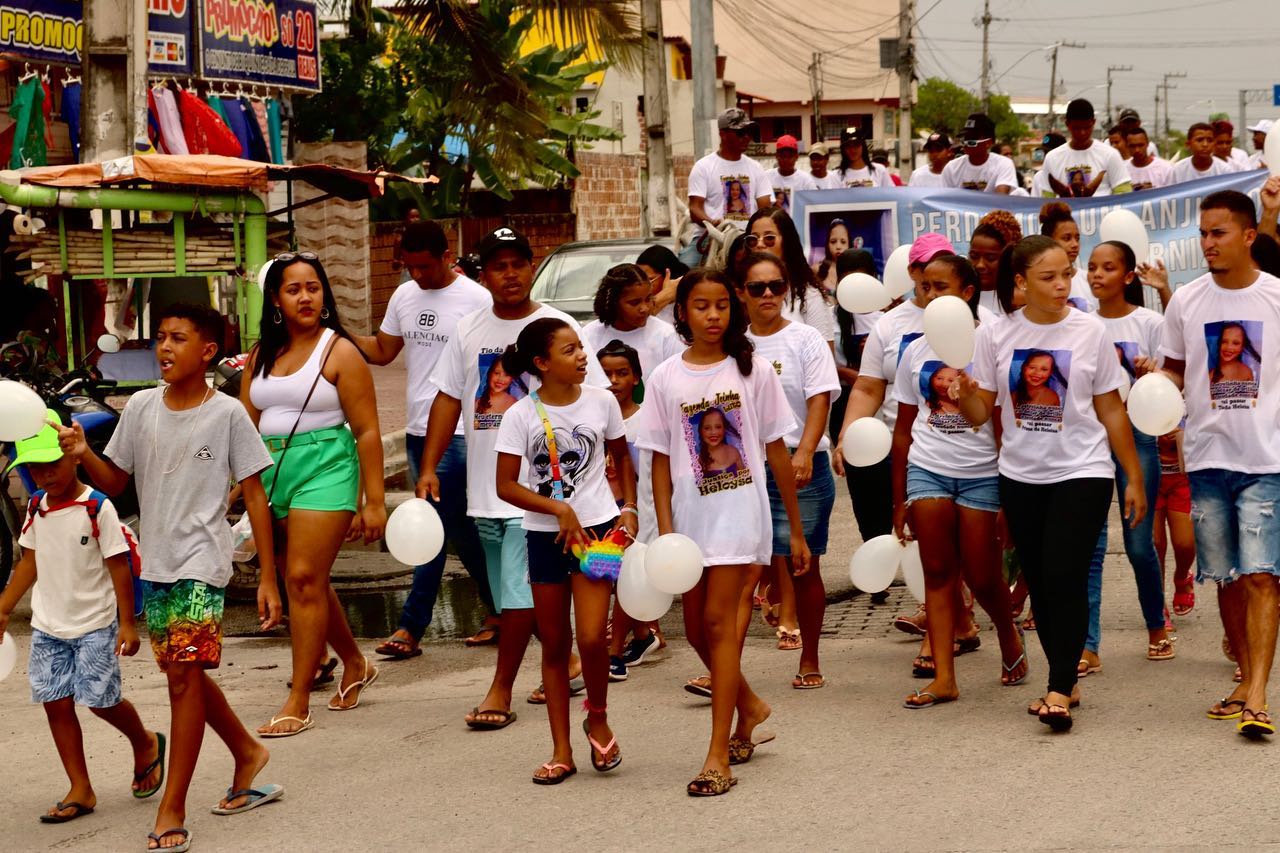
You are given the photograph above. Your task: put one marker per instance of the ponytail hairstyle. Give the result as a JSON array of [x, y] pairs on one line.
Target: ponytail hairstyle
[[1052, 215], [1132, 290], [735, 342], [1001, 226], [611, 288], [851, 261], [968, 276], [533, 342], [1014, 261]]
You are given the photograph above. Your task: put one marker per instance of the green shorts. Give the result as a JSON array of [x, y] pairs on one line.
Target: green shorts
[[320, 472]]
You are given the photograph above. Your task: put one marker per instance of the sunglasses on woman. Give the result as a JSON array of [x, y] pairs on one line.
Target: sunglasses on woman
[[757, 288], [287, 257], [768, 240]]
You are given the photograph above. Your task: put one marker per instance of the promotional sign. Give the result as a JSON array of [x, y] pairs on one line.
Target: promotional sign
[[53, 31], [879, 220], [276, 44], [169, 37]]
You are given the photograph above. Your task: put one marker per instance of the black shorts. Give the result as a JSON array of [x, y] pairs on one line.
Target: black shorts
[[548, 561]]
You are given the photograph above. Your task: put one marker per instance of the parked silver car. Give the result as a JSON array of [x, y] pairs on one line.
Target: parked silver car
[[568, 277]]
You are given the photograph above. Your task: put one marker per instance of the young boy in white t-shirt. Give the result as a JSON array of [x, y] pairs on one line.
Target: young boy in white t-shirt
[[75, 555]]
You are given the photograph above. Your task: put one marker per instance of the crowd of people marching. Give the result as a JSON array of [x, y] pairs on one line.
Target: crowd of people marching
[[709, 400]]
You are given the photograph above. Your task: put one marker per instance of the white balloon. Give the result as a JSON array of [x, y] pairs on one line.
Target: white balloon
[[262, 275], [913, 570], [108, 343], [637, 596], [1124, 226], [414, 533], [859, 293], [948, 327], [875, 563], [1155, 404], [1271, 149], [22, 412], [866, 442], [8, 655], [673, 564], [897, 275]]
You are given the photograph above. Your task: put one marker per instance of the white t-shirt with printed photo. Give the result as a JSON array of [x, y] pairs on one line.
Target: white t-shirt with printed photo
[[995, 172], [871, 175], [1157, 173], [1185, 170], [713, 424], [470, 370], [73, 594], [655, 341], [1065, 162], [786, 186], [729, 187], [425, 320], [580, 430], [1230, 343], [926, 177], [942, 439], [1045, 377], [1135, 335], [806, 367]]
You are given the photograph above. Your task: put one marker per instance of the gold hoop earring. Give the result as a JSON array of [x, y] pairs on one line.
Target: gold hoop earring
[[277, 318], [324, 313]]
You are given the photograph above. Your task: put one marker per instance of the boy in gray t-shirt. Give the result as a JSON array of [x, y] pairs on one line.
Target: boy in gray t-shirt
[[185, 443]]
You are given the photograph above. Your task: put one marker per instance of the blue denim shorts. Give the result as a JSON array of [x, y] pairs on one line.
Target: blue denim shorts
[[816, 502], [86, 668], [1235, 519], [507, 562], [980, 493]]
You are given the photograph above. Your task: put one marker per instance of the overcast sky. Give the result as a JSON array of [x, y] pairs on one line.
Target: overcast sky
[[1222, 45]]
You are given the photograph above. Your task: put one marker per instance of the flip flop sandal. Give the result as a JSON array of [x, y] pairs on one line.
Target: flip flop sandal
[[577, 684], [358, 686], [307, 725], [1011, 668], [1059, 721], [691, 686], [967, 645], [554, 780], [909, 625], [77, 810], [508, 717], [1162, 650], [1255, 728], [324, 675], [602, 766], [159, 762], [476, 639], [1184, 602], [1224, 714], [1084, 668], [922, 667], [789, 641], [934, 699], [1034, 710], [800, 683], [257, 797], [179, 848], [710, 783], [398, 650]]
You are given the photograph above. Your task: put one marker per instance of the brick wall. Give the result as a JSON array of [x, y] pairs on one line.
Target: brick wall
[[681, 165], [607, 195]]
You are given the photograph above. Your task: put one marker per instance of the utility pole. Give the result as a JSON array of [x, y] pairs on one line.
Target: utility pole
[[1248, 96], [115, 78], [815, 90], [1110, 70], [906, 75], [1166, 87], [656, 215], [703, 31], [986, 61], [1053, 78]]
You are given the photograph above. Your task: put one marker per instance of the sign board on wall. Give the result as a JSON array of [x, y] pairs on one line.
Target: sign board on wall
[[276, 44]]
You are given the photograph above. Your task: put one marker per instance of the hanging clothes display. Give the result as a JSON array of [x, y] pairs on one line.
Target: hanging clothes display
[[275, 131], [204, 128], [234, 114], [27, 111], [215, 104], [260, 113], [257, 142], [171, 130], [46, 107], [71, 115], [153, 128]]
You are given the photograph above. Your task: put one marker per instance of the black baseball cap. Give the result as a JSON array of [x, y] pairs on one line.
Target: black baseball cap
[[978, 126], [851, 134], [502, 238], [1129, 114], [1080, 110], [937, 142]]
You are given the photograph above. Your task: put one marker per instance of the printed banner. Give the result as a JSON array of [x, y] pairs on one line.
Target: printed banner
[[879, 220], [276, 44], [53, 31], [169, 37]]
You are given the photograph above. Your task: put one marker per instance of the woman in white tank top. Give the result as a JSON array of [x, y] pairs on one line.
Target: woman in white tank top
[[308, 382]]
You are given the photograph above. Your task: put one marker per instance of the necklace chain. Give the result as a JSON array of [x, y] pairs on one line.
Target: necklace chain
[[155, 431]]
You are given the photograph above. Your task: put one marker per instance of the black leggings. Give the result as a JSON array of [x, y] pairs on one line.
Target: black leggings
[[870, 488], [1055, 528]]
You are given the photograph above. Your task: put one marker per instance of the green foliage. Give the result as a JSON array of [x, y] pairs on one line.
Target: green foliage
[[943, 106]]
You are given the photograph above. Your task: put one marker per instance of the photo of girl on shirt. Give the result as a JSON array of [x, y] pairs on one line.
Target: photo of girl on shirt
[[1127, 352], [1235, 358], [1037, 385], [737, 204], [935, 389], [713, 435], [497, 393]]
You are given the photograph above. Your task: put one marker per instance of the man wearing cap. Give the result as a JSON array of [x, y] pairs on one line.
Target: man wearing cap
[[1146, 172], [1084, 167], [726, 184], [1258, 160], [1127, 122], [980, 169], [786, 178], [856, 168], [938, 149], [819, 163], [473, 387]]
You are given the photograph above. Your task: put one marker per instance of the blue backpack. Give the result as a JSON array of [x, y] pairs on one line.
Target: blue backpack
[[93, 506]]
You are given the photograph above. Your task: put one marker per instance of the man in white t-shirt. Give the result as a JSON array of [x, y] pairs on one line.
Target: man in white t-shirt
[[1146, 172], [1040, 180], [1084, 167], [1258, 160], [979, 169], [786, 178], [1224, 138], [726, 184], [937, 148], [1222, 346], [1201, 163], [421, 316], [819, 167], [1128, 121]]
